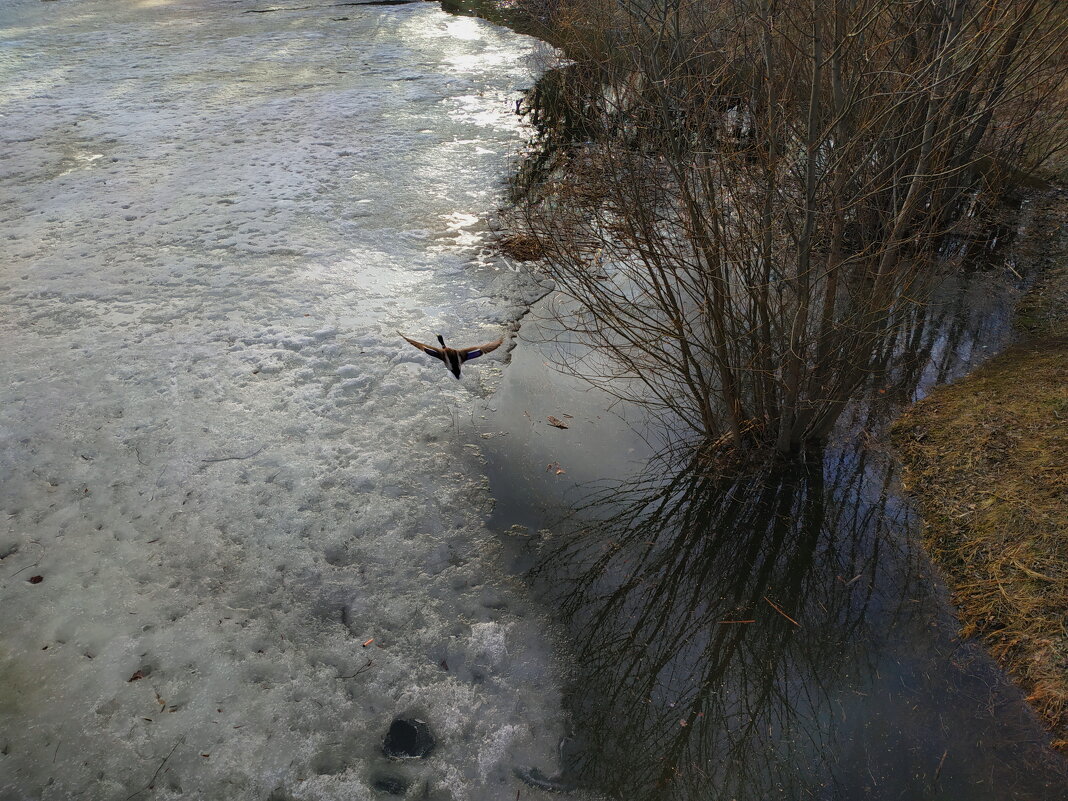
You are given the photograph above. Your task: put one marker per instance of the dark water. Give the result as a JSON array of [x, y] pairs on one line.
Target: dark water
[[778, 634]]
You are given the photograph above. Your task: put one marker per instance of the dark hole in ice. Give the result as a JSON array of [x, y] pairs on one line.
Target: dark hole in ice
[[394, 785], [407, 739]]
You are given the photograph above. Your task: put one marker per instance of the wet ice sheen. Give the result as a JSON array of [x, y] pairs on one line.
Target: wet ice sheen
[[228, 470]]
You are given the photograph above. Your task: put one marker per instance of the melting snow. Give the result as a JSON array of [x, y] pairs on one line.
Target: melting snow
[[228, 470]]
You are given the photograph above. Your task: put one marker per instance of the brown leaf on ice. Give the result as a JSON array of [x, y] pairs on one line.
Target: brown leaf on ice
[[36, 579], [553, 421], [137, 675]]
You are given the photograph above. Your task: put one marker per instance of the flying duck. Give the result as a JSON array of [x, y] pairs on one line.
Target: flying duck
[[453, 357]]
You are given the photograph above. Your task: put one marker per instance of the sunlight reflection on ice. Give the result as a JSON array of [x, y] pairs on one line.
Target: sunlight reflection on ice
[[215, 224]]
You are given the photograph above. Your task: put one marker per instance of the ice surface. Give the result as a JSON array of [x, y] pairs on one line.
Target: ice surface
[[259, 535]]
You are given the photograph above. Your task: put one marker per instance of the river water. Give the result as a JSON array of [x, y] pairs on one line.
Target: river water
[[780, 634], [240, 531]]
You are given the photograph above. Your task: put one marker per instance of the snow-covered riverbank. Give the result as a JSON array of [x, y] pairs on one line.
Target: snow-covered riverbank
[[258, 535]]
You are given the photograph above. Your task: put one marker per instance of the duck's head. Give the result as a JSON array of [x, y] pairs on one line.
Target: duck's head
[[441, 339]]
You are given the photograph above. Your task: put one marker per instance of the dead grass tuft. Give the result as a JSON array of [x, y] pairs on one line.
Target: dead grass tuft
[[521, 247]]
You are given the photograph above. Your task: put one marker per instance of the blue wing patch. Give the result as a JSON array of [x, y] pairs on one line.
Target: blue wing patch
[[472, 354]]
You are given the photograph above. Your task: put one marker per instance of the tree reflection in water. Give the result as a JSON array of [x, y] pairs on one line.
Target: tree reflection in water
[[713, 615], [776, 632], [772, 635]]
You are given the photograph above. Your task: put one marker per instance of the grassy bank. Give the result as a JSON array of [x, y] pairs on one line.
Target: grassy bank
[[987, 460]]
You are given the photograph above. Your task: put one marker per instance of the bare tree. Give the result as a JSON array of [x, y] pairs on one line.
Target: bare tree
[[740, 201]]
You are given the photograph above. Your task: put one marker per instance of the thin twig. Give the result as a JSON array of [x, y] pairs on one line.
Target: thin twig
[[152, 781], [779, 610], [358, 672], [941, 762], [329, 5], [229, 458], [20, 570], [35, 564]]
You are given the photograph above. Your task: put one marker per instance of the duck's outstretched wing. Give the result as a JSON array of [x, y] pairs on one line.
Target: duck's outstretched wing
[[436, 352], [467, 354]]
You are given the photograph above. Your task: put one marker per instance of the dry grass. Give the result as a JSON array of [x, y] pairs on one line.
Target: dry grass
[[987, 459], [521, 246]]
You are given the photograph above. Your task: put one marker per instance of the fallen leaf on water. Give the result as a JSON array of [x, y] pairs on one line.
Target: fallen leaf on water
[[137, 675], [36, 579], [553, 421], [560, 471]]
